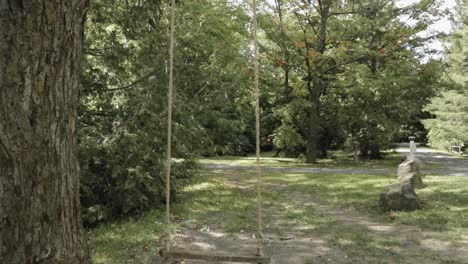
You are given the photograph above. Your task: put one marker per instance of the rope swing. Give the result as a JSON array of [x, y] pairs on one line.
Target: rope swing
[[179, 254], [169, 128], [257, 131]]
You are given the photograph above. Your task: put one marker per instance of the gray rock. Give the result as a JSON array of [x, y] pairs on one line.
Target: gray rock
[[409, 166], [413, 178], [409, 171], [399, 197]]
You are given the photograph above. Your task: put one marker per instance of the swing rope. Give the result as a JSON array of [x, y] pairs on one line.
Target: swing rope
[[257, 131], [169, 128]]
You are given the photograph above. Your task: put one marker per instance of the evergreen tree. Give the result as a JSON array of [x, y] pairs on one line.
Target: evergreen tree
[[449, 126], [458, 53]]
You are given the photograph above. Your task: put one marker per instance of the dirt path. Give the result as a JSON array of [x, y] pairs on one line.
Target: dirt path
[[398, 243], [342, 236]]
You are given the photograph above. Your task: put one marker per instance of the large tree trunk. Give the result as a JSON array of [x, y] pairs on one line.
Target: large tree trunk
[[316, 80], [313, 134], [40, 54]]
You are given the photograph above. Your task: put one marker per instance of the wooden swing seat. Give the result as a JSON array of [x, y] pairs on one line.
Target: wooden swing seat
[[183, 254]]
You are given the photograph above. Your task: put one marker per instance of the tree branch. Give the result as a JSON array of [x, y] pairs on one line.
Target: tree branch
[[343, 13], [125, 87], [345, 63]]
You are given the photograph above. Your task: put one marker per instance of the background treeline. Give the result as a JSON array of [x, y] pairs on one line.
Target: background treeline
[[448, 124], [334, 74]]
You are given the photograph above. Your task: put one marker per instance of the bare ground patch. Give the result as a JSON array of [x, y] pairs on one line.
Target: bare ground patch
[[304, 229]]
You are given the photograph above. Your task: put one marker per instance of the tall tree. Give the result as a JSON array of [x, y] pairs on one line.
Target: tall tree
[[40, 54], [449, 125], [458, 53], [341, 47]]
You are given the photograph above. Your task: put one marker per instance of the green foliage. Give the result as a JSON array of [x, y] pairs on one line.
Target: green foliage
[[287, 138], [458, 52], [347, 72], [124, 103], [449, 123], [122, 176], [374, 107]]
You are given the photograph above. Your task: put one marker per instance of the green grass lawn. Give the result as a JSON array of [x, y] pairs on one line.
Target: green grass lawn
[[225, 199], [338, 159], [128, 240], [445, 198]]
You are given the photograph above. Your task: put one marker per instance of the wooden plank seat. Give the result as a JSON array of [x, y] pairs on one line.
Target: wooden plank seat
[[183, 254]]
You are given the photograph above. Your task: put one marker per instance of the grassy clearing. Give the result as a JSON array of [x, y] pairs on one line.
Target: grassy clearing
[[213, 202], [232, 206], [446, 204], [445, 198], [225, 199], [338, 159]]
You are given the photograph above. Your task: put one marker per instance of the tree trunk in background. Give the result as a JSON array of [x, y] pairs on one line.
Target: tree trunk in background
[[316, 81], [40, 54], [375, 152], [313, 135]]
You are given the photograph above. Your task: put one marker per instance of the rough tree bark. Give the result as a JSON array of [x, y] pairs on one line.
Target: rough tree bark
[[40, 53]]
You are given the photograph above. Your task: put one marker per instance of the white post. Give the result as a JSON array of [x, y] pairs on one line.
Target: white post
[[412, 148], [356, 152]]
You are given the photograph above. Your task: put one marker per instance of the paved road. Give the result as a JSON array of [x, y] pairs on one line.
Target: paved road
[[456, 166]]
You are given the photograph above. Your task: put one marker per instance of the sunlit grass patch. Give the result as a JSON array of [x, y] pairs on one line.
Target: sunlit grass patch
[[337, 159], [226, 205], [359, 191], [267, 160]]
